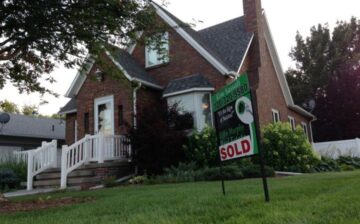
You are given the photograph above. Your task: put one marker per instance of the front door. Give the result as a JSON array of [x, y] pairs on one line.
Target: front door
[[104, 115]]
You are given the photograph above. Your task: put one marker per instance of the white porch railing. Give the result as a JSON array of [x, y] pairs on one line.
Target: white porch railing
[[335, 149], [97, 148], [38, 160]]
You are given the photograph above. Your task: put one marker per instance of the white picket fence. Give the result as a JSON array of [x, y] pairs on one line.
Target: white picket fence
[[335, 149], [95, 148], [38, 160]]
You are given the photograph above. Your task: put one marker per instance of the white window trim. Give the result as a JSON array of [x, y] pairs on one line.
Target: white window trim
[[292, 122], [275, 112], [160, 62], [101, 100], [305, 129]]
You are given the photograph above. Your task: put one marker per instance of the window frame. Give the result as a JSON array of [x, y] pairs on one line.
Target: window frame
[[161, 61], [292, 122], [305, 129], [275, 114]]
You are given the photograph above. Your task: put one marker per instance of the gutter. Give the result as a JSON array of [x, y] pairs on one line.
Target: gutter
[[134, 103]]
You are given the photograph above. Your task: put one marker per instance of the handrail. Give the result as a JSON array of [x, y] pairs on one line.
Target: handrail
[[97, 148], [40, 159]]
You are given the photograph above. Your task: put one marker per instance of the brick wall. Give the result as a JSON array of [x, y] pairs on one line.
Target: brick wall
[[69, 129]]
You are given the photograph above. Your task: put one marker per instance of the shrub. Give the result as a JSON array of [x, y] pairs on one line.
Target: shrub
[[18, 167], [8, 179], [288, 150], [345, 167], [326, 165], [110, 181], [351, 161], [254, 171], [158, 138], [201, 148], [230, 172]]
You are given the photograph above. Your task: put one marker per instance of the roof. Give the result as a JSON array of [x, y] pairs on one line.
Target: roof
[[34, 127], [229, 40], [70, 107], [133, 69], [195, 82]]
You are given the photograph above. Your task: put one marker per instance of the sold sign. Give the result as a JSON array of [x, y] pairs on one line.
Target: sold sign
[[238, 148]]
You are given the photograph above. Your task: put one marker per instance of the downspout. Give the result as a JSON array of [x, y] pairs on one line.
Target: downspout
[[134, 104]]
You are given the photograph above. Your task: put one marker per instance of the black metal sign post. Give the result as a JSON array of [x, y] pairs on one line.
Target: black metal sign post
[[261, 152], [220, 163]]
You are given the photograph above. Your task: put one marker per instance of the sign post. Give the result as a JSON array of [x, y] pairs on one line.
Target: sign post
[[236, 124]]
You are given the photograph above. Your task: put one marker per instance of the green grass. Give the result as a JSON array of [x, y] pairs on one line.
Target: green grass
[[316, 198]]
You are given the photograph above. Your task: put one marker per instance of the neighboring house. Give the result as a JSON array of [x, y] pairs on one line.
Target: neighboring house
[[195, 64], [27, 132]]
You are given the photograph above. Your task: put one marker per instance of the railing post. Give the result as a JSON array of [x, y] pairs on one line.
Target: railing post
[[101, 148], [30, 171], [54, 155], [87, 149], [63, 167]]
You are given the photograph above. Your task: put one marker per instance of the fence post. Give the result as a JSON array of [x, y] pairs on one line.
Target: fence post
[[30, 171], [357, 140], [63, 167], [101, 148]]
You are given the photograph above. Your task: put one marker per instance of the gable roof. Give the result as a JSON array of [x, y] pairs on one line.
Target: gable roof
[[190, 83], [34, 127]]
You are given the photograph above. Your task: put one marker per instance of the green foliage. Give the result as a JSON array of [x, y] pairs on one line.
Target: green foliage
[[8, 107], [201, 148], [287, 150], [110, 181], [29, 110], [343, 163], [345, 167], [19, 167], [326, 165], [8, 179], [254, 171], [36, 35]]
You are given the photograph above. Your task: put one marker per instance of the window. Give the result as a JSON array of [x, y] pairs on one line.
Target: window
[[196, 103], [156, 54], [292, 123], [304, 126], [86, 123], [120, 115], [275, 115]]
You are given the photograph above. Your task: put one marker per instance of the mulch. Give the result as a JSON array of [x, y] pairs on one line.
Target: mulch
[[39, 204]]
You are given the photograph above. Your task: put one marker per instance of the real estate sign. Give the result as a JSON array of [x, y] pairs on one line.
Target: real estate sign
[[234, 120]]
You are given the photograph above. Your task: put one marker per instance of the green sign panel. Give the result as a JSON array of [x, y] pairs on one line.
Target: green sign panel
[[234, 120]]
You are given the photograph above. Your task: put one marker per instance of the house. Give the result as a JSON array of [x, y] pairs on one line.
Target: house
[[28, 132], [192, 65]]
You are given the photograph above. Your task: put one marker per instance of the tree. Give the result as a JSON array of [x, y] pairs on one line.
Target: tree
[[29, 110], [36, 35], [328, 63], [8, 107]]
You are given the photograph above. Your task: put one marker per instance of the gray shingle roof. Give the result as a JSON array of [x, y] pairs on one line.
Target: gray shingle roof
[[70, 106], [132, 67], [185, 83], [34, 127], [227, 41]]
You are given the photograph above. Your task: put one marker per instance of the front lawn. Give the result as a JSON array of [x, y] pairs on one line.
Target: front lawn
[[316, 198]]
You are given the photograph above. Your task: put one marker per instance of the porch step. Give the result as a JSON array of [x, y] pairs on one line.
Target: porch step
[[71, 182], [49, 175]]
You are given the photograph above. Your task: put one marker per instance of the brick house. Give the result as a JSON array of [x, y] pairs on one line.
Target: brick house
[[196, 63]]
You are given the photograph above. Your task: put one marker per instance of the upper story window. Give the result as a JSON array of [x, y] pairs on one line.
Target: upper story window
[[292, 123], [275, 115], [157, 54], [197, 104], [304, 126]]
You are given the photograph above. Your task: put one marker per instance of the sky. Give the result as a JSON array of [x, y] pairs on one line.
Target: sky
[[285, 17]]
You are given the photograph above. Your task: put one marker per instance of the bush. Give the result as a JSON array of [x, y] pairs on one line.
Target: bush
[[201, 148], [254, 171], [110, 181], [157, 141], [345, 167], [326, 165], [8, 179], [19, 167], [288, 150]]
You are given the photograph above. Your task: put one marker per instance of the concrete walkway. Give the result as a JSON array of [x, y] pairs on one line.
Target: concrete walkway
[[26, 192]]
